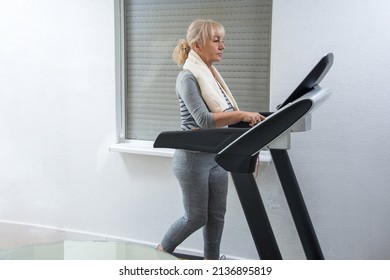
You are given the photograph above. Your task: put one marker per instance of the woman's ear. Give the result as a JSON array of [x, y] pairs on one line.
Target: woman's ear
[[197, 47]]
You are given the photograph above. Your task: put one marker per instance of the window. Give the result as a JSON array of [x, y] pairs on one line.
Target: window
[[148, 30]]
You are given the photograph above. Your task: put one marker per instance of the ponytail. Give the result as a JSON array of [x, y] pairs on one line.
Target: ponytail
[[180, 53]]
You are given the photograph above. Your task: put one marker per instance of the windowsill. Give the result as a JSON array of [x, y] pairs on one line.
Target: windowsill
[[141, 147]]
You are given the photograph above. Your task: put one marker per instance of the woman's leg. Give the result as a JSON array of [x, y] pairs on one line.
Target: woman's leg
[[192, 172], [212, 232]]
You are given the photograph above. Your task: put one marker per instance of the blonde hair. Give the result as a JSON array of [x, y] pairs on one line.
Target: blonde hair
[[199, 31]]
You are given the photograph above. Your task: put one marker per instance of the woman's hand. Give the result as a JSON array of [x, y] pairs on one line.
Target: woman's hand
[[252, 118]]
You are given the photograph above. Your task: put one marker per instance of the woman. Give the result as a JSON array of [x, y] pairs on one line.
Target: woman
[[205, 102]]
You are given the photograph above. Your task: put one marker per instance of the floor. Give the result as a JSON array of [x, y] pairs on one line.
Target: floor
[[18, 235]]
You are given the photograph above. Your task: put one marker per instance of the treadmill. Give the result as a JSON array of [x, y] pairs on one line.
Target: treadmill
[[237, 148]]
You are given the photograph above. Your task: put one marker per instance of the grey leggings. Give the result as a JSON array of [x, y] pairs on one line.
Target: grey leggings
[[204, 188]]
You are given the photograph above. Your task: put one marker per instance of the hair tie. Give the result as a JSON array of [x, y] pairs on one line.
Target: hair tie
[[185, 46]]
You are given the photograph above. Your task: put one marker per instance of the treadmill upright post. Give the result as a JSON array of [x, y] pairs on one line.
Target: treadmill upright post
[[256, 216], [297, 205]]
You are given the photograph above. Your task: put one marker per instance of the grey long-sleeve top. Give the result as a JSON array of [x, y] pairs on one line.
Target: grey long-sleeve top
[[193, 110]]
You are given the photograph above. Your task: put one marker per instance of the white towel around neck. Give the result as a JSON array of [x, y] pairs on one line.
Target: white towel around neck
[[209, 88]]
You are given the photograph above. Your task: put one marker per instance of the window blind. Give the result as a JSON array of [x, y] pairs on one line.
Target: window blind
[[152, 30]]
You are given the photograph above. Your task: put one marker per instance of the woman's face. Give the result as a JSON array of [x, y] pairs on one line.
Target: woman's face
[[212, 50]]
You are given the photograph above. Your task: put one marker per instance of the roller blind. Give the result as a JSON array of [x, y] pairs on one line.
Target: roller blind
[[152, 30]]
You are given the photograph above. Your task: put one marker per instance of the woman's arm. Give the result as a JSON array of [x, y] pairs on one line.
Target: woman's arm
[[228, 118], [188, 89]]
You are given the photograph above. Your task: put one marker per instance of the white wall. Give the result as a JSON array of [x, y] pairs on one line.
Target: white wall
[[57, 120], [344, 163]]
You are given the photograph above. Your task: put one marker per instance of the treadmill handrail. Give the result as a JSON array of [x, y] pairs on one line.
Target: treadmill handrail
[[210, 140]]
